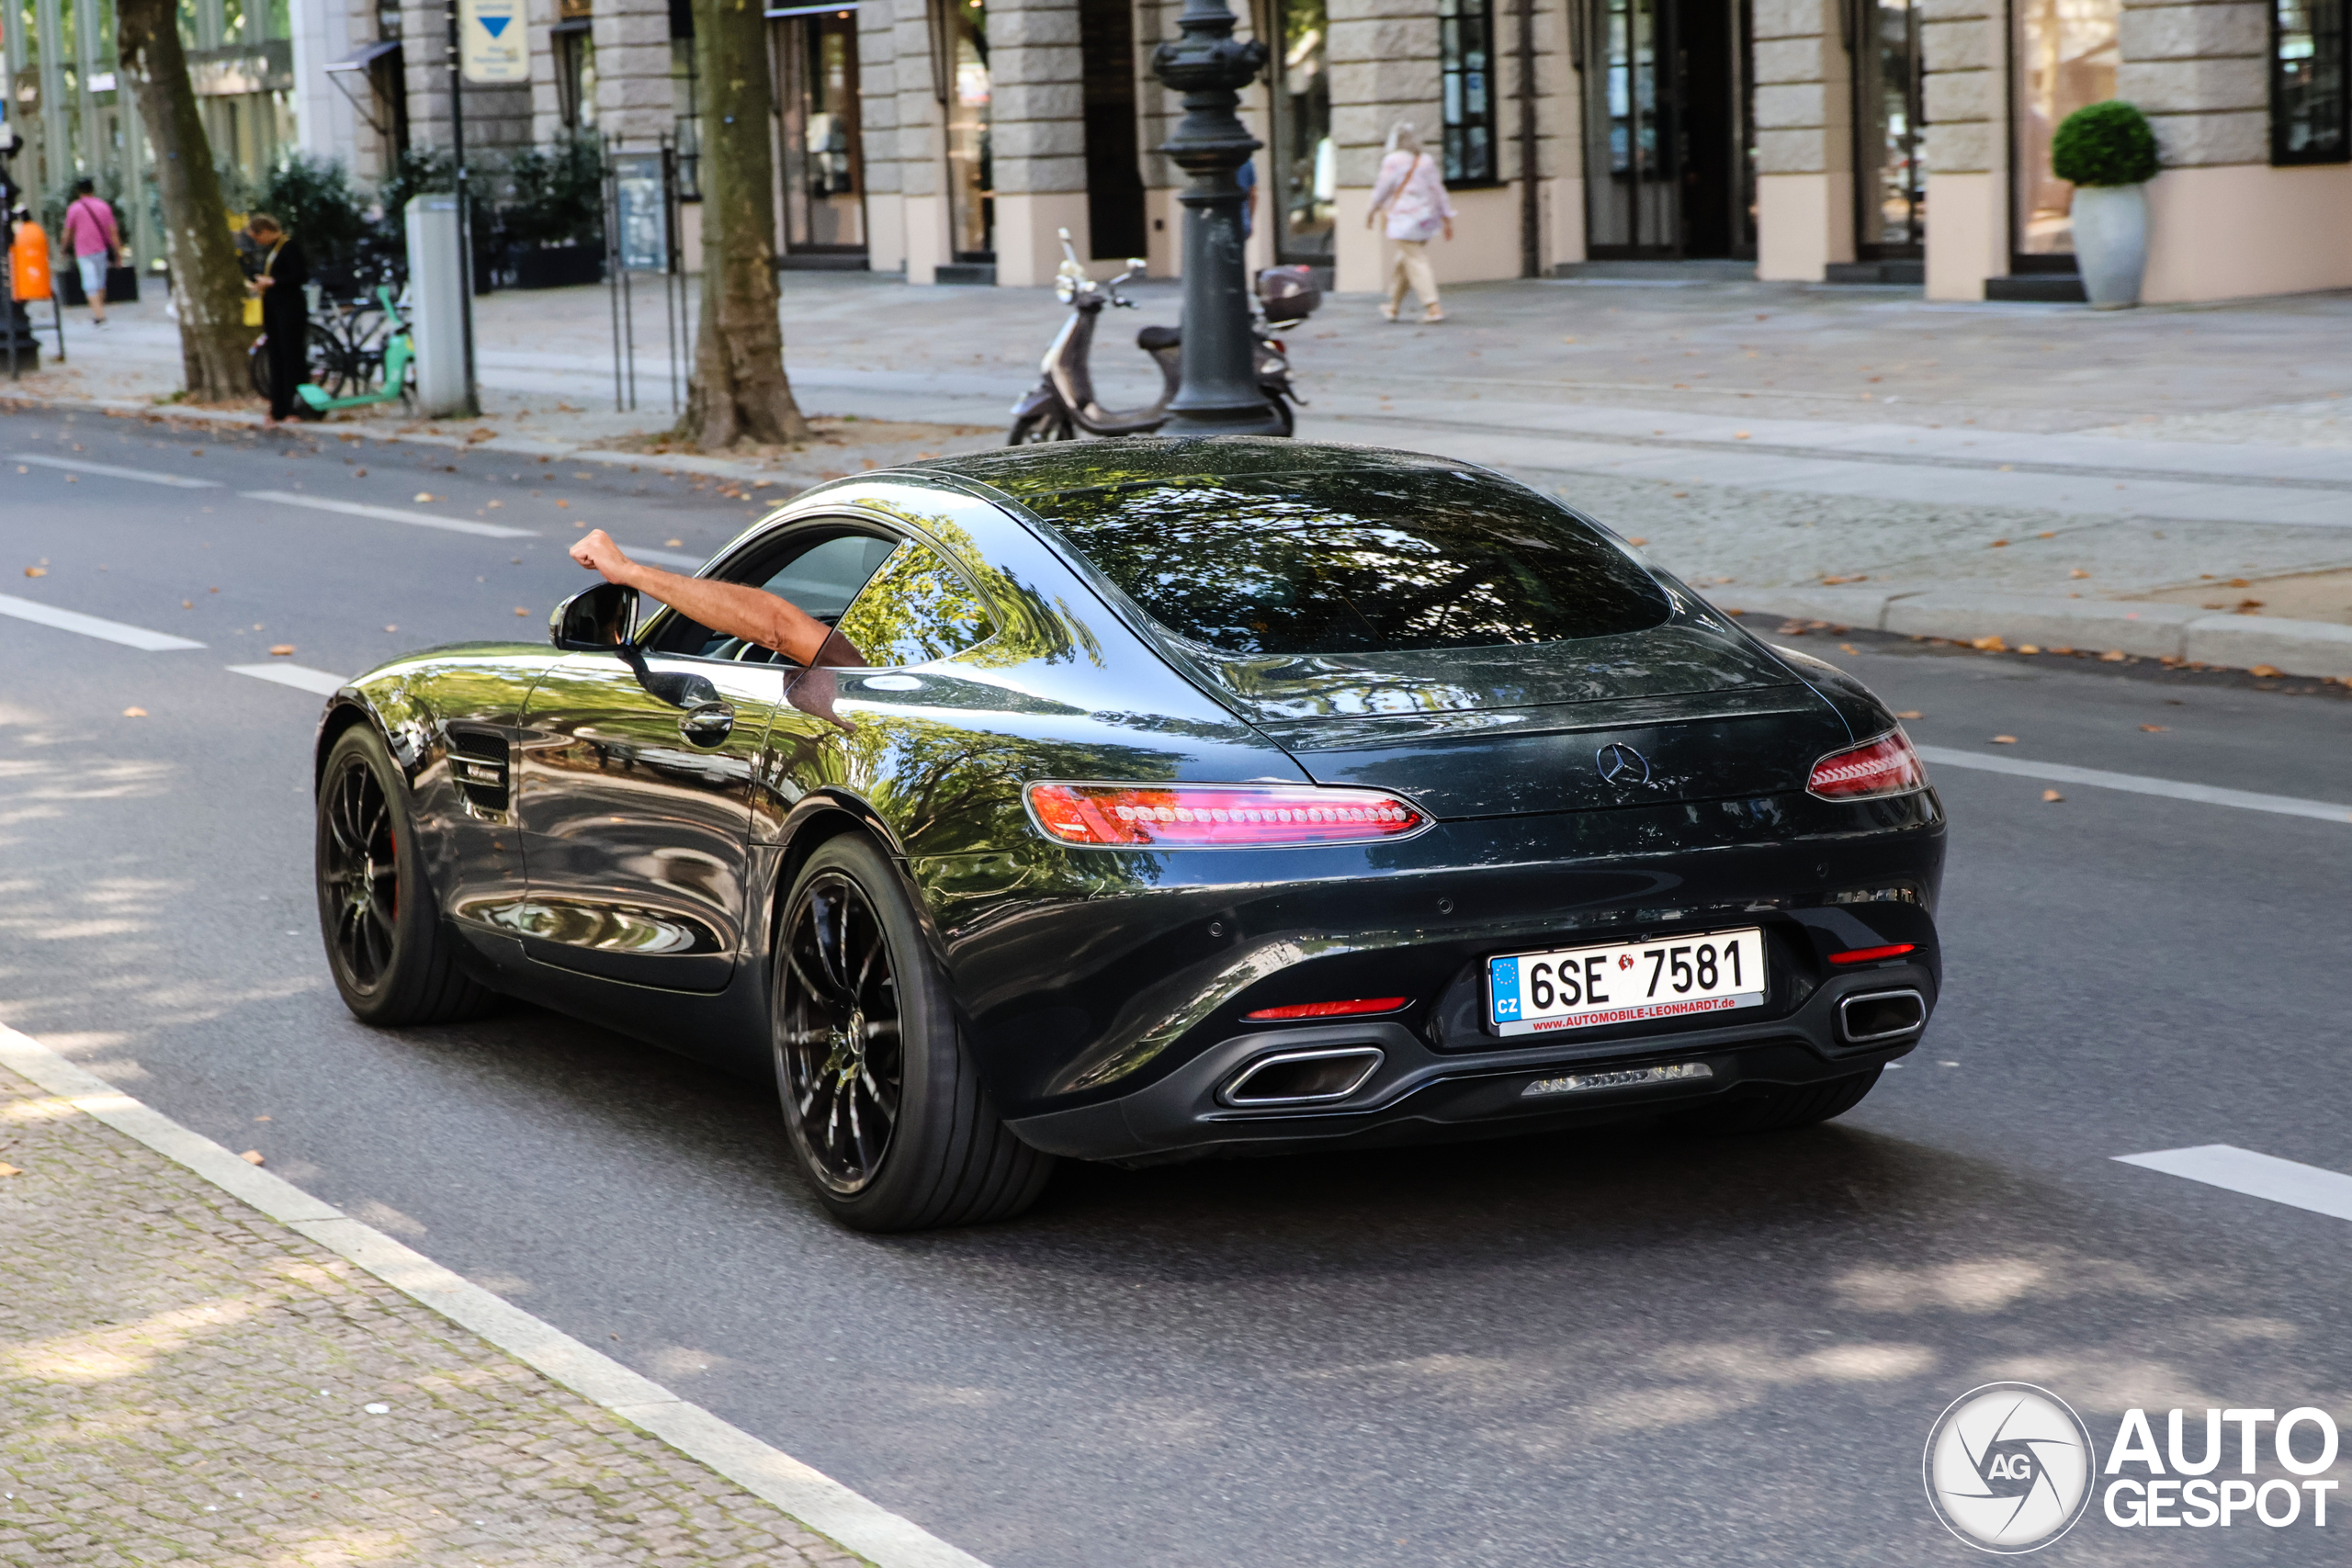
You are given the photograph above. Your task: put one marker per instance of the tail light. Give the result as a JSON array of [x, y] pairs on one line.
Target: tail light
[[1219, 817], [1885, 766], [1356, 1009]]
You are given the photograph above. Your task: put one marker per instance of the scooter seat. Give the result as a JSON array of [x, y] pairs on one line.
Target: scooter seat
[[1154, 338]]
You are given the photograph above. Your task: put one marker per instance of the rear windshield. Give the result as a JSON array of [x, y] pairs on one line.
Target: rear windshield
[[1328, 562]]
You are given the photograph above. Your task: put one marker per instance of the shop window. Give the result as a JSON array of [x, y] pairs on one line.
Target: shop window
[[1305, 157], [2309, 123], [575, 73], [2066, 54], [1465, 56]]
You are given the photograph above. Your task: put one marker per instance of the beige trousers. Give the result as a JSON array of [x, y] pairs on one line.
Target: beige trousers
[[1409, 268]]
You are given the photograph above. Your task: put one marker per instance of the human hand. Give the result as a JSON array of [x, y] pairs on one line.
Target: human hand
[[597, 551], [262, 285], [1449, 228]]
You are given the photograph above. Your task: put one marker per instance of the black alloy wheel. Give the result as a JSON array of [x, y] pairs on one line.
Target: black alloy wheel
[[393, 960], [843, 1072], [884, 1111]]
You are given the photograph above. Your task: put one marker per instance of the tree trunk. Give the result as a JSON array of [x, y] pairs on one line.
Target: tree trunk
[[739, 391], [207, 285]]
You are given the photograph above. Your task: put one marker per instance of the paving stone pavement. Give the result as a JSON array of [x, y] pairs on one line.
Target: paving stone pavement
[[184, 1380]]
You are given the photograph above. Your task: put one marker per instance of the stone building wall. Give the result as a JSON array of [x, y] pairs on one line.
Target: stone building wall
[[1804, 138], [1967, 89]]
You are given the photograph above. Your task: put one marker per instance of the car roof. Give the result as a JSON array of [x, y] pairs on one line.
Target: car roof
[[1056, 467]]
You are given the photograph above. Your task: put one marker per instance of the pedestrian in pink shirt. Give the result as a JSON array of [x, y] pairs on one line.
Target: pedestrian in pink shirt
[[94, 241], [1413, 191]]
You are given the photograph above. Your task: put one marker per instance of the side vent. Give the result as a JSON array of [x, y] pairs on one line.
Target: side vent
[[478, 765]]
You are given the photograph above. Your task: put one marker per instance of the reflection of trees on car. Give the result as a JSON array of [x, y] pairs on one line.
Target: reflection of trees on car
[[914, 609]]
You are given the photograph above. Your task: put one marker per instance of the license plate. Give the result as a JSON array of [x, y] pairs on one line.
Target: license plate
[[1582, 988]]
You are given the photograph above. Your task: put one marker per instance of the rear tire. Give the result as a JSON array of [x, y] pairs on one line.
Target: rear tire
[[884, 1111], [1049, 425], [1780, 1108], [393, 960]]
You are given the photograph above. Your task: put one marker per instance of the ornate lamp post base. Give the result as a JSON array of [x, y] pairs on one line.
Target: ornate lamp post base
[[1218, 393]]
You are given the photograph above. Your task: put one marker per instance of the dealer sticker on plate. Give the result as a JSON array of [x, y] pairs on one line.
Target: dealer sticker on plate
[[1581, 988]]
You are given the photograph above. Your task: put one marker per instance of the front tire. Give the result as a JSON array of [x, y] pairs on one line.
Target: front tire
[[1049, 425], [886, 1115], [393, 960]]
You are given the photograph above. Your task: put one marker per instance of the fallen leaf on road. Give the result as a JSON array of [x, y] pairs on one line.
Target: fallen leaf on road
[[134, 713], [520, 610], [1740, 435], [1910, 712], [1990, 645], [2154, 728], [1681, 495], [2051, 534], [2028, 647], [251, 1156], [280, 650], [496, 505], [2113, 656], [391, 628], [359, 473], [1857, 577], [72, 479], [2051, 795], [6, 1169], [2005, 740], [2241, 582], [424, 495], [2078, 571], [1998, 545], [1847, 647], [2265, 672], [563, 503], [1563, 340], [187, 604], [213, 591], [36, 571], [1637, 539], [673, 544]]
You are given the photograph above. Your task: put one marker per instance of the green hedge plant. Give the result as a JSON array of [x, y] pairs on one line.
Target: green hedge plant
[[2105, 144]]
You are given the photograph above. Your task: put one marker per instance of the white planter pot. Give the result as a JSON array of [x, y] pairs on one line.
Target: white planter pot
[[2112, 243]]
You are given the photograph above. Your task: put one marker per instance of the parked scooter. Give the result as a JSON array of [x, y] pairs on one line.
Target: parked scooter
[[1063, 404]]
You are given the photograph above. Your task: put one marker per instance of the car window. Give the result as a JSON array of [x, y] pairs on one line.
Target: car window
[[1333, 562], [822, 576], [915, 608]]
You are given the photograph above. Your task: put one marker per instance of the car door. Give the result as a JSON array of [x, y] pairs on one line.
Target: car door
[[639, 767]]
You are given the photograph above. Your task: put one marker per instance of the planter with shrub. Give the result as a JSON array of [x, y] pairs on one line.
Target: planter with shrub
[[2109, 151]]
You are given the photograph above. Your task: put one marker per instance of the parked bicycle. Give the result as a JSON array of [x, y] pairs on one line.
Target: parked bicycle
[[360, 353]]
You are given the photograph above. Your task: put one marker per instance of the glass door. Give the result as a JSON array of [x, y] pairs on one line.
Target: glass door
[[1668, 146], [1305, 158], [1890, 134], [2066, 53], [971, 178], [824, 194]]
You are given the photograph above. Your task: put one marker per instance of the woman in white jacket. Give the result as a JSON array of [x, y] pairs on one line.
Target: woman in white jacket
[[1413, 192]]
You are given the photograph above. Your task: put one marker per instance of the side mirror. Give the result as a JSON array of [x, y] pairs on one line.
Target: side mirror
[[600, 620]]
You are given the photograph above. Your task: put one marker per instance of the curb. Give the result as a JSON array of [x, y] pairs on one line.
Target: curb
[[2173, 633], [521, 446], [816, 1500]]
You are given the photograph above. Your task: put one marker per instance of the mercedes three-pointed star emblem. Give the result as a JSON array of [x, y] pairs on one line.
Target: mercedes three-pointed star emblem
[[1620, 764]]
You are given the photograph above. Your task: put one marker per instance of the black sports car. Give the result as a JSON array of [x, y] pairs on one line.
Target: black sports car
[[1191, 796]]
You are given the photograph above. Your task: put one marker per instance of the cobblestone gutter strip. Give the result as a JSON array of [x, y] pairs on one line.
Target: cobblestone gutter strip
[[199, 1362], [2097, 626]]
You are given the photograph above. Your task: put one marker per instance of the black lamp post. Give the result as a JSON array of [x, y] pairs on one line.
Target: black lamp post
[[1219, 392]]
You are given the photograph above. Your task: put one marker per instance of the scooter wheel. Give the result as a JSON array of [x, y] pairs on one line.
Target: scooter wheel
[[1282, 411], [1039, 427]]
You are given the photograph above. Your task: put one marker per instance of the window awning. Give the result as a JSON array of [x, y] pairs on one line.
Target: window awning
[[368, 55], [573, 24], [774, 11]]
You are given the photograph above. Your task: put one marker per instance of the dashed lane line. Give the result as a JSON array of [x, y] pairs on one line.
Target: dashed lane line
[[144, 475], [665, 558], [92, 625], [816, 1500], [2137, 784], [2284, 1181], [391, 514], [302, 677]]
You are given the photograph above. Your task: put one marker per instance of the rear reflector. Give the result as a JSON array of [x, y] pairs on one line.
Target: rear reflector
[[1873, 955], [1333, 1009], [1885, 766], [1118, 816]]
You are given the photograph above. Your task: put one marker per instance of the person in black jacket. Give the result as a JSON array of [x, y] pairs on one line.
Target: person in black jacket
[[284, 311]]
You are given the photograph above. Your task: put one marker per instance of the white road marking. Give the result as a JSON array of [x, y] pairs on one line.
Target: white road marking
[[2322, 1192], [391, 514], [665, 558], [91, 625], [144, 475], [302, 677], [2136, 783], [815, 1499]]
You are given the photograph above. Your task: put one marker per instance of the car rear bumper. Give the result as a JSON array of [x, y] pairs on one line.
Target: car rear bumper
[[1414, 1092]]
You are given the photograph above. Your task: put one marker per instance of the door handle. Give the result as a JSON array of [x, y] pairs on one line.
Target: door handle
[[707, 724]]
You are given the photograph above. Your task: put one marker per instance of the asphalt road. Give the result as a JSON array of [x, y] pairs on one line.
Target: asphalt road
[[1625, 1349]]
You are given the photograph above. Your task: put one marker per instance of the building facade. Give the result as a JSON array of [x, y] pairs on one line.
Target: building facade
[[1895, 140]]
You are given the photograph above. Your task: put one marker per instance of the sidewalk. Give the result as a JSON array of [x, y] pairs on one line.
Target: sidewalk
[[190, 1380], [1770, 442]]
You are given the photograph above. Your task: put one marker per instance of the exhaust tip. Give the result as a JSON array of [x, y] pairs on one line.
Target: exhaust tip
[[1873, 1018], [1302, 1078]]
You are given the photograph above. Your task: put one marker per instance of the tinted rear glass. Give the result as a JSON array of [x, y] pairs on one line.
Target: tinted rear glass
[[1326, 562]]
